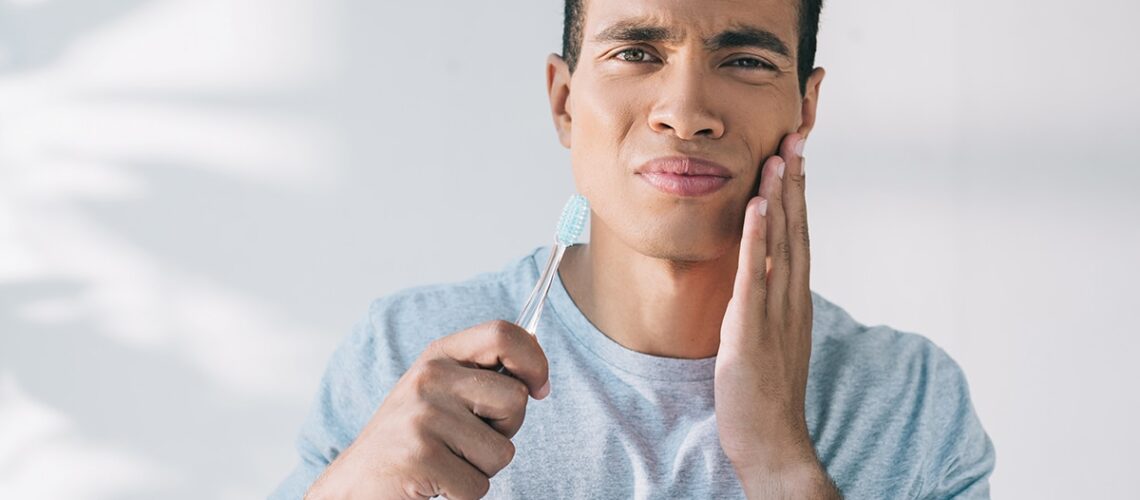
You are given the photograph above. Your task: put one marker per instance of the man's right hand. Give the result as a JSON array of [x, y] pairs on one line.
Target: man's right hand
[[445, 427]]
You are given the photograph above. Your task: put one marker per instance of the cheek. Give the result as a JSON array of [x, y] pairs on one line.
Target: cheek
[[762, 125], [603, 116]]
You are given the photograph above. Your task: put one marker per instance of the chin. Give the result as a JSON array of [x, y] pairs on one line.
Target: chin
[[681, 252], [669, 231], [681, 243]]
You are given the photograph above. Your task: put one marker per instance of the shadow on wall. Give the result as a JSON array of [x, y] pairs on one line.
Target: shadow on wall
[[197, 201], [116, 420], [34, 33]]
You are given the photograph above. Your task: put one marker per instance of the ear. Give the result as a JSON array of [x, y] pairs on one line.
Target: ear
[[558, 89], [810, 101]]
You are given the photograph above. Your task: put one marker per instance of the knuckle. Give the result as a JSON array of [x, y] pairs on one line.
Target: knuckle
[[501, 326], [512, 423], [783, 249], [481, 487], [758, 233], [473, 488], [502, 334], [761, 282], [797, 180], [418, 380], [801, 230], [504, 453], [435, 349], [520, 393], [417, 487], [424, 377]]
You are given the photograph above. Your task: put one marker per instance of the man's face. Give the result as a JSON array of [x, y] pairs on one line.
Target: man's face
[[712, 79]]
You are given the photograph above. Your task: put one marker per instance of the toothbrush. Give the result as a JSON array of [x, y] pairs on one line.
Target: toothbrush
[[570, 227]]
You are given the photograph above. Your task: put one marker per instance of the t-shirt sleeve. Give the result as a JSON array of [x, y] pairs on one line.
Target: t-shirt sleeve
[[348, 394], [960, 467]]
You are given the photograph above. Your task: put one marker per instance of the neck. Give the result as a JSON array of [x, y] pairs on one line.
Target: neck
[[650, 305]]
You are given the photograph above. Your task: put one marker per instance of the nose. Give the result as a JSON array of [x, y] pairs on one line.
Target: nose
[[682, 106]]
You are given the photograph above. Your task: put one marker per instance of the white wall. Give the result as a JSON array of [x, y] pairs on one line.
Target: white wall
[[198, 198]]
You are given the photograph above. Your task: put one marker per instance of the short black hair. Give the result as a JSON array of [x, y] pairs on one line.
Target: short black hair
[[574, 19]]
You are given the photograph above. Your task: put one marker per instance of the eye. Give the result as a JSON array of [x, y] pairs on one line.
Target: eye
[[751, 63], [634, 54]]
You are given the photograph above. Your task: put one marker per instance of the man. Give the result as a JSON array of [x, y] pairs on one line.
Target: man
[[682, 353]]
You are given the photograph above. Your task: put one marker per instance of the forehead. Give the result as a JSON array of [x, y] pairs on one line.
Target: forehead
[[693, 18]]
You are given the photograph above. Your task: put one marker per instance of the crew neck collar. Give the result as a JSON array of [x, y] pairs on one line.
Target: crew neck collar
[[639, 364]]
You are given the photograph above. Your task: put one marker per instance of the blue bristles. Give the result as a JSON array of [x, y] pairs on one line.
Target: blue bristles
[[573, 220]]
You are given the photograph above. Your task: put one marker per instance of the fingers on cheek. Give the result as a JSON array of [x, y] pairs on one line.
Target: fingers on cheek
[[769, 175], [770, 178], [779, 185], [754, 219]]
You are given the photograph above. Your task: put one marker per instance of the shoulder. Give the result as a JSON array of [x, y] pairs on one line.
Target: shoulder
[[906, 391], [880, 354], [884, 369]]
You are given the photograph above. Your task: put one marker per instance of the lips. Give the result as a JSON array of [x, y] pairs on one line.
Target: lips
[[684, 175]]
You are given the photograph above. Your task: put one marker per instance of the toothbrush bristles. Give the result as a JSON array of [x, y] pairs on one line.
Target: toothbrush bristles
[[573, 220]]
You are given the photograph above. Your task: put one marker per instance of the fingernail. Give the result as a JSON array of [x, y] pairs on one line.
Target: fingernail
[[544, 391], [780, 169], [762, 207], [800, 147]]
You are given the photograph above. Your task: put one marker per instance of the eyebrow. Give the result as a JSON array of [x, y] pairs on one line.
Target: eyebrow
[[739, 36], [637, 31], [748, 36]]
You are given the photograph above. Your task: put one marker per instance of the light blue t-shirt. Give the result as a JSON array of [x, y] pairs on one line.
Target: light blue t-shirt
[[889, 412]]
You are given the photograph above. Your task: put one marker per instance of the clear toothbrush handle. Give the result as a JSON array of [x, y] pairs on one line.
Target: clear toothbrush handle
[[532, 311], [528, 318]]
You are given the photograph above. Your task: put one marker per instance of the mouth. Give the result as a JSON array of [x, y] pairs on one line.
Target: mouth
[[684, 175]]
